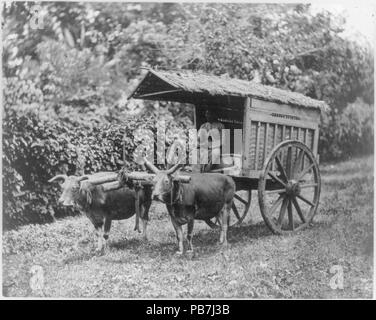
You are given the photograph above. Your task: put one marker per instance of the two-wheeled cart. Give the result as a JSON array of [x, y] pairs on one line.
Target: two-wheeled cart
[[277, 152]]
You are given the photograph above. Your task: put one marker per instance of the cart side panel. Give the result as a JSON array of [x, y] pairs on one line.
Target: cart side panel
[[267, 124]]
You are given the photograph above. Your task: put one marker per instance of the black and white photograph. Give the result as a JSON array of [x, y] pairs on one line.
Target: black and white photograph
[[187, 150]]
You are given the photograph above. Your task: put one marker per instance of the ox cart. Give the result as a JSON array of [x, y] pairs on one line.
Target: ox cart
[[278, 142]]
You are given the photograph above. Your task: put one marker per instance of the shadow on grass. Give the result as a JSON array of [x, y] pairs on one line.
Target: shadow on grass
[[205, 242], [150, 247]]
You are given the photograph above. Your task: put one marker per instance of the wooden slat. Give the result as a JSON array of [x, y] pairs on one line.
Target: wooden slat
[[283, 139], [315, 141], [266, 142], [275, 141], [275, 135], [195, 116], [293, 137], [257, 116], [246, 135], [257, 144], [268, 107], [305, 142]]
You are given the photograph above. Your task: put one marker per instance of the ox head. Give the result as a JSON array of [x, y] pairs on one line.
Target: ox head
[[163, 181], [71, 188]]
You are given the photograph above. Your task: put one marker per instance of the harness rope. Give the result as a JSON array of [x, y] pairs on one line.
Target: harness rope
[[173, 201]]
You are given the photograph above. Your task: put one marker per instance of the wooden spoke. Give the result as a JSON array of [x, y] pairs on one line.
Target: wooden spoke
[[235, 211], [280, 168], [305, 200], [240, 199], [291, 217], [283, 211], [289, 163], [304, 172], [298, 163], [275, 178], [276, 204], [276, 191], [298, 210]]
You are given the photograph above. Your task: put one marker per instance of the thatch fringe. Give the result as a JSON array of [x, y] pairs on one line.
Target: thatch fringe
[[196, 82]]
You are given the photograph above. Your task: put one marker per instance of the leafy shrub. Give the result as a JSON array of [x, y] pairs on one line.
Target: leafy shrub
[[350, 133], [20, 91], [35, 149]]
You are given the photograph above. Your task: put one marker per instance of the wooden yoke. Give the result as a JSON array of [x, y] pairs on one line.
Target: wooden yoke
[[110, 180], [181, 178], [104, 178]]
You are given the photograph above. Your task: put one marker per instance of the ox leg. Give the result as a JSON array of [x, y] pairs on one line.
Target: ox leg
[[106, 233], [144, 227], [145, 215], [223, 218], [144, 221], [99, 234], [179, 236], [190, 235]]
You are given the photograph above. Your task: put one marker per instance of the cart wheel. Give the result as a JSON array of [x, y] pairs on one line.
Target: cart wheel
[[290, 181], [240, 207]]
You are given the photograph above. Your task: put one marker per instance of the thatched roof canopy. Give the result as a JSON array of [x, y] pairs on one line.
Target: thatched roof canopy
[[189, 87]]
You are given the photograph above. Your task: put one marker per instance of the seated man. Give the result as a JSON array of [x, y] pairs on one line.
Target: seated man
[[212, 144]]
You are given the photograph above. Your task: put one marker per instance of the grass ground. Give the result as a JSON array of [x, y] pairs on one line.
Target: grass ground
[[256, 264]]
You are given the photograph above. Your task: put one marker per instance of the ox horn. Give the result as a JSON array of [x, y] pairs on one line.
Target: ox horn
[[151, 166], [58, 177], [174, 168]]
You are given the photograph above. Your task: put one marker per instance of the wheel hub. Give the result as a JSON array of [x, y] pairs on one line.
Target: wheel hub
[[293, 188]]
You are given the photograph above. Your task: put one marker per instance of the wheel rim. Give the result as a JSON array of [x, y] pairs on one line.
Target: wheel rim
[[239, 210], [289, 187]]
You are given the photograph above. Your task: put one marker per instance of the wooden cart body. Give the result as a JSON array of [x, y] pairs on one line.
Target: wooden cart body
[[266, 115]]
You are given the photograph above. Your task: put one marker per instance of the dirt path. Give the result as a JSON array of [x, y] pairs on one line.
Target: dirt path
[[256, 264]]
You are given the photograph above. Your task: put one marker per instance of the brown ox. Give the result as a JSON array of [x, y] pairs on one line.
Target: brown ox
[[206, 196], [101, 206]]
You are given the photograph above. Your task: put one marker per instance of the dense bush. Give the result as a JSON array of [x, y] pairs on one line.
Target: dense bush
[[36, 149], [33, 151], [350, 133]]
